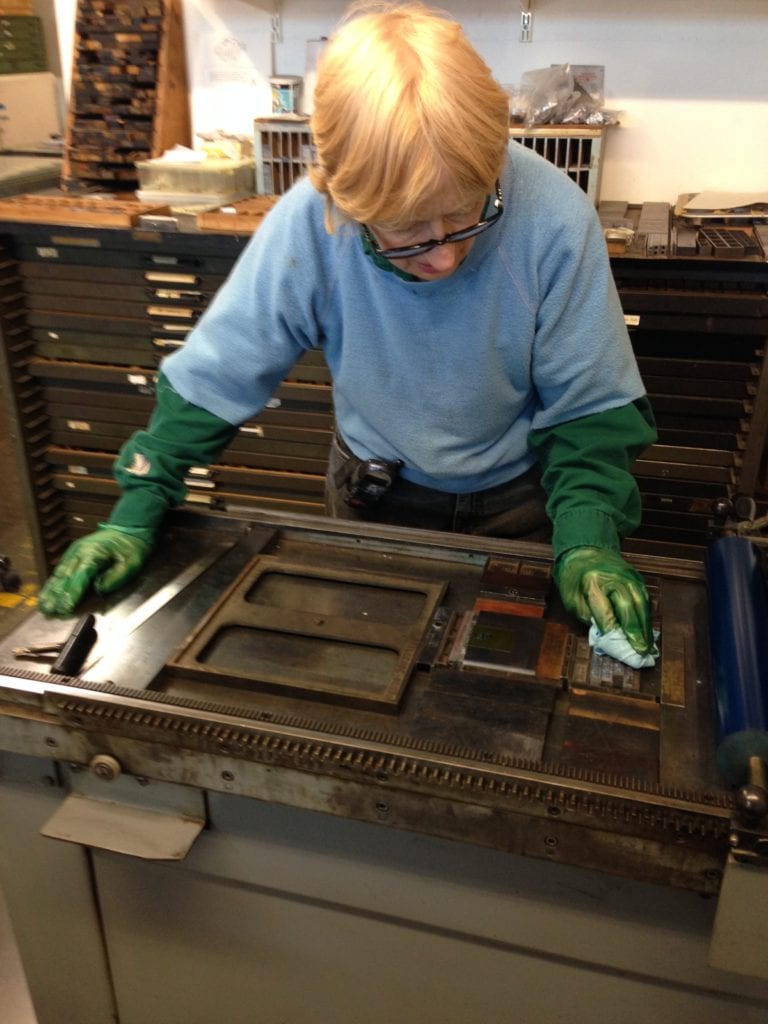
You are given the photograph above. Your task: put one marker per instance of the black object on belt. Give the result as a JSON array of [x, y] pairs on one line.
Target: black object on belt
[[367, 480]]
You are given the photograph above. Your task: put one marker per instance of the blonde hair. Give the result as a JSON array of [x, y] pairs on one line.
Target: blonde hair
[[403, 107]]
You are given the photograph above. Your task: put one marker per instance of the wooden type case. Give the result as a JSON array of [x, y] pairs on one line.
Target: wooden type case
[[129, 91]]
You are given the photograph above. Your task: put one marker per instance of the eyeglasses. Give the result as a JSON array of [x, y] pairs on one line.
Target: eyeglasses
[[404, 251]]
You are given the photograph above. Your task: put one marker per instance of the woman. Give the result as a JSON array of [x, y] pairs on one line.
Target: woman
[[460, 290]]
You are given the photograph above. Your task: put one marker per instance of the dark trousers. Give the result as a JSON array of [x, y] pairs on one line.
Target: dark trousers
[[515, 509]]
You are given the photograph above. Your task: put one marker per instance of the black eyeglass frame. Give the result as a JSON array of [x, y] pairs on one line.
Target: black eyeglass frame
[[402, 252]]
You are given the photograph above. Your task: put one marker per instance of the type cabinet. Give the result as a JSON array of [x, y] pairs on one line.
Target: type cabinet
[[87, 316], [699, 330]]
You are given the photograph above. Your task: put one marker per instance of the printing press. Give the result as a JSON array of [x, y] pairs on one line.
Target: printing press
[[381, 772], [294, 750]]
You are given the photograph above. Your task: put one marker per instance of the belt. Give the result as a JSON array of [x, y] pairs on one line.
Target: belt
[[408, 486]]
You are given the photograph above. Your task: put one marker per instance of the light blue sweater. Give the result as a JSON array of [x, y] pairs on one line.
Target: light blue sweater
[[448, 376]]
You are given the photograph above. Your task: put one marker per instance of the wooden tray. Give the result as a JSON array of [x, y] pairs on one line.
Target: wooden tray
[[240, 218], [77, 210]]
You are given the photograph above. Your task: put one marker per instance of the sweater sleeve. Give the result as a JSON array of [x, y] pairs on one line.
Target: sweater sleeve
[[592, 497], [151, 465]]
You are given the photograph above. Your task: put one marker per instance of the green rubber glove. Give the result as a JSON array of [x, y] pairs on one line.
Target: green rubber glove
[[106, 558], [596, 583]]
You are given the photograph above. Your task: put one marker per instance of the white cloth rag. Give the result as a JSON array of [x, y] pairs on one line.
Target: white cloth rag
[[614, 643]]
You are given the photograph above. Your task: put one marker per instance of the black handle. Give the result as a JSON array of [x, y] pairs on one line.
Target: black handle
[[76, 647]]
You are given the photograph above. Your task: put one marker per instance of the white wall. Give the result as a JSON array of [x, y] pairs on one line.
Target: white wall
[[690, 76]]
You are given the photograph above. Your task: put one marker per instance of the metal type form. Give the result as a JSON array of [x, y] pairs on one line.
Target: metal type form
[[356, 660], [653, 229], [721, 243]]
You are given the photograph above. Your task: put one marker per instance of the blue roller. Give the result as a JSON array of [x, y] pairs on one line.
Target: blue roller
[[738, 629]]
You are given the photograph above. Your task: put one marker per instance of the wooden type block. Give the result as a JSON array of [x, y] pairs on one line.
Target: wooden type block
[[514, 587]]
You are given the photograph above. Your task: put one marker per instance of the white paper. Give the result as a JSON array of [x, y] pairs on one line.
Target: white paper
[[725, 200]]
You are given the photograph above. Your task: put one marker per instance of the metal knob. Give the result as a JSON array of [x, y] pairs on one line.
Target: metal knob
[[752, 802], [105, 767]]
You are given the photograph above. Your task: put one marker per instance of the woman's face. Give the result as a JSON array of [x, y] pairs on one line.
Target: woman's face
[[449, 213]]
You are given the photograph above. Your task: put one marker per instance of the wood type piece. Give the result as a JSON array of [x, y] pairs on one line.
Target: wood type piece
[[76, 210], [240, 218]]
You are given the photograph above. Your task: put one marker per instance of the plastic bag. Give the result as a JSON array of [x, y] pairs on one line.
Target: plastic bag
[[550, 94], [554, 96]]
